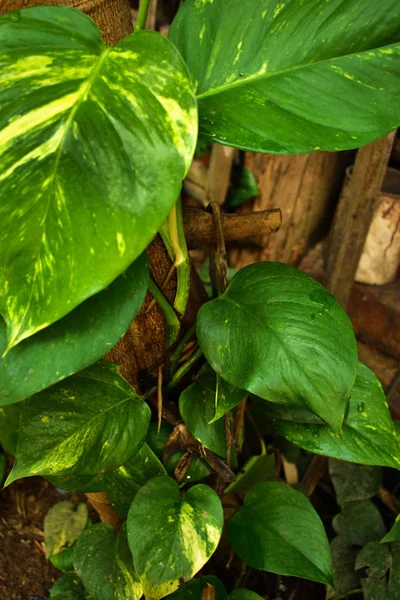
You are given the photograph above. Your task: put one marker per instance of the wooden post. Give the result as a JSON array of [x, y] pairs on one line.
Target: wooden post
[[353, 217]]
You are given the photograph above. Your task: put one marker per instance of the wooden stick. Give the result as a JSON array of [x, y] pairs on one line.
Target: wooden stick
[[353, 217], [200, 230]]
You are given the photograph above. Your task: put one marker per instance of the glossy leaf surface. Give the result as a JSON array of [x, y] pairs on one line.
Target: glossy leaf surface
[[90, 423], [103, 561], [171, 535], [278, 530], [291, 76], [89, 136], [368, 436], [279, 334], [76, 341]]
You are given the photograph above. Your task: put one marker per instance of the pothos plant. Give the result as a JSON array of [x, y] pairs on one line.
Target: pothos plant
[[95, 142]]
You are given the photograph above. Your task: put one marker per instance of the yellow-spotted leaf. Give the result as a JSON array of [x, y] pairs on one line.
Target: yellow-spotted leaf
[[94, 144], [90, 423], [292, 76], [171, 535]]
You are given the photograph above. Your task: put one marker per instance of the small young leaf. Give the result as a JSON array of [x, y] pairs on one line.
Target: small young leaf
[[359, 522], [68, 587], [63, 561], [104, 563], [76, 341], [278, 530], [171, 535], [354, 482], [257, 469], [393, 536], [63, 525], [90, 423], [194, 589], [302, 77], [98, 132], [277, 333], [367, 437], [242, 594]]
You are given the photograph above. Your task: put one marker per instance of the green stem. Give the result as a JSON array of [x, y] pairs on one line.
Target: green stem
[[185, 368], [179, 349], [171, 318], [142, 14]]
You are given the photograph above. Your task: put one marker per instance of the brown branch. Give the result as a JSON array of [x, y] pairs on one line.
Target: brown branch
[[200, 230]]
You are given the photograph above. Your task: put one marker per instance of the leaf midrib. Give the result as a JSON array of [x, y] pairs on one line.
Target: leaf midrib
[[257, 77]]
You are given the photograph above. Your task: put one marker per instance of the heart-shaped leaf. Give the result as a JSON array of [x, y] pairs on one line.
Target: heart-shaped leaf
[[298, 348], [89, 137], [292, 77], [91, 422], [103, 561], [68, 587], [172, 536], [76, 341], [359, 522], [278, 530], [368, 436], [354, 482]]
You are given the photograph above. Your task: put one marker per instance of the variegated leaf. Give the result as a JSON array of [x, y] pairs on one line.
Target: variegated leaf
[[94, 143]]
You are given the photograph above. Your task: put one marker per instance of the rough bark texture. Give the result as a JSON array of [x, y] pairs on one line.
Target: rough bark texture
[[305, 189]]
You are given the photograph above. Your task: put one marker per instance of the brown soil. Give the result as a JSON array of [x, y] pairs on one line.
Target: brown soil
[[24, 570]]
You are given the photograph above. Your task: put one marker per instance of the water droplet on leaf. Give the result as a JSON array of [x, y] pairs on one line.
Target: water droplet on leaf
[[15, 16], [360, 407]]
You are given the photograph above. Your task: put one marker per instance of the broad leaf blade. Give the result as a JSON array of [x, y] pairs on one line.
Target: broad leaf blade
[[359, 522], [63, 525], [278, 530], [172, 536], [368, 436], [298, 349], [90, 423], [394, 534], [76, 341], [68, 587], [89, 136], [292, 77], [354, 482], [104, 563]]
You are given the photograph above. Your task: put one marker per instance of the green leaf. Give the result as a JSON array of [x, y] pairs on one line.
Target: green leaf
[[298, 349], [63, 524], [394, 533], [91, 422], [354, 482], [368, 436], [68, 587], [197, 470], [202, 405], [3, 465], [194, 589], [172, 536], [278, 530], [375, 559], [244, 187], [257, 469], [242, 594], [64, 560], [289, 76], [76, 341], [89, 137], [343, 560], [359, 523], [104, 563], [9, 427]]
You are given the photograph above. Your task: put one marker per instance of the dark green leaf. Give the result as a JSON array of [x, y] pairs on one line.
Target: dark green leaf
[[375, 558], [354, 482], [104, 563], [278, 530], [193, 589], [197, 470], [63, 525], [359, 523], [244, 187], [68, 587], [9, 427], [89, 136], [172, 536], [367, 437], [343, 561], [64, 560], [291, 77], [3, 464], [74, 342], [394, 533], [157, 439], [242, 594], [298, 349], [257, 469], [91, 422], [382, 570]]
